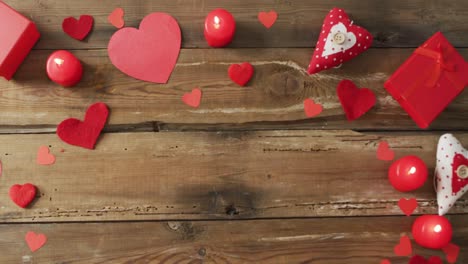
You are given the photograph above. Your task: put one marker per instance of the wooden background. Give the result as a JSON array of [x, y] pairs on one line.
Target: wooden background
[[245, 178]]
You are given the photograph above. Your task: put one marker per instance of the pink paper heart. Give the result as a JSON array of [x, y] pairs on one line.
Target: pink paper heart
[[408, 206], [312, 109], [268, 18], [150, 52], [116, 18], [384, 152], [35, 241], [193, 98], [44, 157], [404, 247]]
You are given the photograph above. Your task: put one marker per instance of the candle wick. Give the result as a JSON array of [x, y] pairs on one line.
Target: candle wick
[[58, 61], [216, 22]]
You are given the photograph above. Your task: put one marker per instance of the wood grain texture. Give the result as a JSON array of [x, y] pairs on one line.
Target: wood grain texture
[[394, 23], [317, 241], [273, 99], [207, 175]]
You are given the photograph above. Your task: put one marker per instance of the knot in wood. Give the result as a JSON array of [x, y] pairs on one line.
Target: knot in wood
[[285, 84]]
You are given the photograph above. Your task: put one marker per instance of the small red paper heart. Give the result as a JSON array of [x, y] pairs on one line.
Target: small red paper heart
[[241, 73], [35, 241], [268, 18], [408, 206], [312, 109], [84, 134], [116, 18], [193, 98], [451, 252], [416, 259], [149, 53], [384, 152], [385, 261], [404, 247], [355, 101], [78, 29], [44, 157], [22, 195]]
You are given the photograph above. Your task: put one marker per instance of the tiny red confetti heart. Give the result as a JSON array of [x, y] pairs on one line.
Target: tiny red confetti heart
[[22, 195], [193, 98], [44, 157], [312, 109], [451, 252], [241, 73], [116, 18], [35, 241], [408, 206], [384, 152], [268, 18], [385, 261], [404, 247], [355, 102], [78, 29]]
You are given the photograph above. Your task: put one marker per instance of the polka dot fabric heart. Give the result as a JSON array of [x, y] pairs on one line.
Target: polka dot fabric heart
[[451, 173], [339, 41]]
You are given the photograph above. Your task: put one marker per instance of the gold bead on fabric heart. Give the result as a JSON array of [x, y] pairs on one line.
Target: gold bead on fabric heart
[[339, 38], [462, 171]]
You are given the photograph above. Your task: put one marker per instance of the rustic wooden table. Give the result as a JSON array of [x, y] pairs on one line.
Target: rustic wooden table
[[245, 178]]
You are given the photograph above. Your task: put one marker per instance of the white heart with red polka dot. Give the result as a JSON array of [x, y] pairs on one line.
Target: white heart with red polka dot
[[332, 47], [449, 185]]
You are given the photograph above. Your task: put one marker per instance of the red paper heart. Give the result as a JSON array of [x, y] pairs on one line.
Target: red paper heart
[[329, 53], [44, 157], [451, 252], [241, 73], [385, 261], [408, 206], [116, 18], [35, 241], [86, 133], [416, 259], [355, 101], [404, 247], [312, 109], [149, 53], [22, 195], [384, 152], [193, 98], [268, 19], [78, 29]]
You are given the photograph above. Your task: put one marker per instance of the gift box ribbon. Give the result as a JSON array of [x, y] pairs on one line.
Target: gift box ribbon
[[441, 66]]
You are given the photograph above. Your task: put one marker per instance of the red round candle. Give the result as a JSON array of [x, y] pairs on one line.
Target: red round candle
[[432, 231], [64, 68], [220, 27], [408, 173]]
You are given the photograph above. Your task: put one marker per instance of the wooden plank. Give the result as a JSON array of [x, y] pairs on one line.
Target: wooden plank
[[273, 99], [394, 23], [225, 175], [327, 240]]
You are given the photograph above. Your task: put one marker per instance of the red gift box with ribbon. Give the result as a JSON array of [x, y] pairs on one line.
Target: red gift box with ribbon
[[17, 37], [429, 80]]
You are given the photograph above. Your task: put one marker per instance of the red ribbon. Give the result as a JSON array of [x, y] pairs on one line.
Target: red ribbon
[[441, 67]]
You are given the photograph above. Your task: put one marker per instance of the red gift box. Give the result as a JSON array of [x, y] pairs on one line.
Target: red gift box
[[429, 80], [17, 37]]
